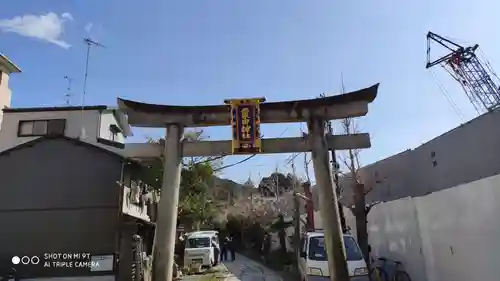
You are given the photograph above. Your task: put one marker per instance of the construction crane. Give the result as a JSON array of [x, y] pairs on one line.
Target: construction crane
[[474, 75]]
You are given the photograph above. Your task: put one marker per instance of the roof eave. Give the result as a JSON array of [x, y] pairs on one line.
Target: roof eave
[[11, 67]]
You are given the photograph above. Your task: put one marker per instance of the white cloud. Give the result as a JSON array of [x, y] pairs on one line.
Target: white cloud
[[49, 27], [88, 27], [67, 16]]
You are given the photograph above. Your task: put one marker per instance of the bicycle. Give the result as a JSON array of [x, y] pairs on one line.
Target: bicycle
[[398, 274], [377, 273]]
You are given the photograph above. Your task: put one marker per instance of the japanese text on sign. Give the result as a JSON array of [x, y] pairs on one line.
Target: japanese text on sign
[[245, 123]]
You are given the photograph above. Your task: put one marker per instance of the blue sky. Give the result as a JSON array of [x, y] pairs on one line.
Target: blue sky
[[201, 52]]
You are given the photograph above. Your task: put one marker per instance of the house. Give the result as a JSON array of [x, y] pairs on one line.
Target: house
[[6, 69], [100, 125], [66, 203]]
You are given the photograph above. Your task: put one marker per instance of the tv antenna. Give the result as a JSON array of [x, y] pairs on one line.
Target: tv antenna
[[90, 43], [67, 96]]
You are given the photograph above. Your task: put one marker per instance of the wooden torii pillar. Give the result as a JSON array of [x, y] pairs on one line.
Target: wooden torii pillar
[[313, 111]]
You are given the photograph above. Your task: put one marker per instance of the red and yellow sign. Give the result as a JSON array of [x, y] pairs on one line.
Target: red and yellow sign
[[245, 122]]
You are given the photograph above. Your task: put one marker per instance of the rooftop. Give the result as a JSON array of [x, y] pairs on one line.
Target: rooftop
[[56, 108], [11, 67], [72, 140]]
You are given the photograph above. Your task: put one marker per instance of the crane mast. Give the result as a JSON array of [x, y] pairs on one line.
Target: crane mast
[[473, 75]]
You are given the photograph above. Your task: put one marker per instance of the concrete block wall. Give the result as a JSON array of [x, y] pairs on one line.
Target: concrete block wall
[[452, 234]]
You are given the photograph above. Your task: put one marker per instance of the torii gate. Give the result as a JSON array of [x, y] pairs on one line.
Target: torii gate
[[313, 111]]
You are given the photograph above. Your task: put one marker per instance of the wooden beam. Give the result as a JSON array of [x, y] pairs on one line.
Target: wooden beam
[[269, 146]]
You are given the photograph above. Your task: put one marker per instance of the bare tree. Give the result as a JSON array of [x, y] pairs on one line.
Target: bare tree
[[359, 209]]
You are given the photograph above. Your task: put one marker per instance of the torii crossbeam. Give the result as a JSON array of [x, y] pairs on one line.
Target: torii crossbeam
[[313, 111]]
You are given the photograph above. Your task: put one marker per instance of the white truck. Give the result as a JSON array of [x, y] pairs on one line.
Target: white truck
[[200, 248], [313, 262]]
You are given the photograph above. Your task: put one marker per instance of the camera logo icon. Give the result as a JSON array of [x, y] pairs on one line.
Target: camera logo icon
[[25, 260]]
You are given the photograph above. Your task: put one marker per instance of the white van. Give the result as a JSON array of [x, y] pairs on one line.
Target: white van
[[313, 264], [199, 248]]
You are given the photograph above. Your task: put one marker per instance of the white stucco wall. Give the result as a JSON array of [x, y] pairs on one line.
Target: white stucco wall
[[107, 119], [95, 123], [5, 92], [453, 234], [74, 122]]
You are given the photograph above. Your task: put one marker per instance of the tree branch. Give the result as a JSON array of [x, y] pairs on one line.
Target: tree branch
[[369, 190]]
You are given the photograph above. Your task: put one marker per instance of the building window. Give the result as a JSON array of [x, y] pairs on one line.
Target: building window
[[433, 154], [434, 163], [32, 128]]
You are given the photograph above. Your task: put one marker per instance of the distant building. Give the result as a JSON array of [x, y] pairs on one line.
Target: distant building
[[6, 69]]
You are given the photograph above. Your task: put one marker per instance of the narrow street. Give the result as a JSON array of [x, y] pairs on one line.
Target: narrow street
[[245, 269], [242, 269]]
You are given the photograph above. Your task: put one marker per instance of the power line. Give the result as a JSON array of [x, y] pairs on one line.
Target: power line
[[448, 97]]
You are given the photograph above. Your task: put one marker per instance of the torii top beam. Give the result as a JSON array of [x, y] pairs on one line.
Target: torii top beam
[[351, 104]]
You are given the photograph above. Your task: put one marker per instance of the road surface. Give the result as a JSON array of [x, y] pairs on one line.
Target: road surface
[[245, 269], [242, 269]]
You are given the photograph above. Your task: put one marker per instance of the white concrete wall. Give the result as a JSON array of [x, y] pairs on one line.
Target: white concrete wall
[[74, 122], [95, 123], [453, 234], [5, 92], [465, 154], [107, 119]]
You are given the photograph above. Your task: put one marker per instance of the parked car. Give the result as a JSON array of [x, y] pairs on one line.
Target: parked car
[[200, 248], [313, 262]]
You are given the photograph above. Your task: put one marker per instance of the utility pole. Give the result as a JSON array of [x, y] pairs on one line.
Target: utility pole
[[296, 213], [277, 190], [296, 206]]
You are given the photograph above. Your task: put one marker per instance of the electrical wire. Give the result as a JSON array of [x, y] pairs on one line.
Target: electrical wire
[[448, 97], [246, 159], [488, 65]]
